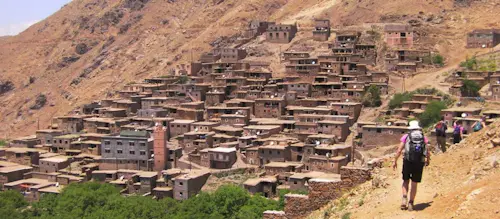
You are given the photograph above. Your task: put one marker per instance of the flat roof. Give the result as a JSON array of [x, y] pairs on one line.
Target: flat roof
[[163, 189], [222, 150], [256, 181], [56, 159], [315, 174], [262, 127], [52, 189], [457, 109], [227, 128], [182, 121], [283, 164]]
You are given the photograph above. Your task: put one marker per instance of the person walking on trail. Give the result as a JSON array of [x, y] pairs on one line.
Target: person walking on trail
[[458, 132], [415, 157], [479, 124], [441, 128]]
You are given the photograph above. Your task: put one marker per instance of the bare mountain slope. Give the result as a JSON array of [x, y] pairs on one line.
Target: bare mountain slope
[[91, 48]]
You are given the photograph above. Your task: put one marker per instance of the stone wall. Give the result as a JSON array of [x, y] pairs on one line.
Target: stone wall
[[274, 215], [321, 191], [297, 206]]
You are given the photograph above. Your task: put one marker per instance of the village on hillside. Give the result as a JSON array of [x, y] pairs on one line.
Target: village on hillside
[[300, 129]]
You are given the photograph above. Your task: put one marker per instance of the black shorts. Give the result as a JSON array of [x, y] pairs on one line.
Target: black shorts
[[412, 170]]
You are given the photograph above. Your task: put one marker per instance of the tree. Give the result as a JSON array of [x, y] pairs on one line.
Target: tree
[[432, 113], [470, 88], [371, 98], [11, 204], [398, 99]]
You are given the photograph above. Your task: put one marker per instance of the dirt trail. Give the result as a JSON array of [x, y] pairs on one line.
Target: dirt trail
[[464, 182]]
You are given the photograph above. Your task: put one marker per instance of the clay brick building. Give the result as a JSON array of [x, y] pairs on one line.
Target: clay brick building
[[232, 55], [483, 38], [23, 156], [54, 164], [128, 150], [399, 35], [218, 158], [266, 186], [189, 184], [382, 135], [256, 28], [281, 33], [270, 107], [321, 30], [10, 172]]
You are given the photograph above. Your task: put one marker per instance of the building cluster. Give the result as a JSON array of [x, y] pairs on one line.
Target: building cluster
[[483, 38], [481, 78]]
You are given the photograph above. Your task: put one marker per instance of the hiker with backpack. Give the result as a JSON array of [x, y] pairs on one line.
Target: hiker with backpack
[[479, 124], [458, 132], [415, 157], [441, 128]]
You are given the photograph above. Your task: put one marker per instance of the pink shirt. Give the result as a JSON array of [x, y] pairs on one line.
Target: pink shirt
[[461, 128], [403, 139]]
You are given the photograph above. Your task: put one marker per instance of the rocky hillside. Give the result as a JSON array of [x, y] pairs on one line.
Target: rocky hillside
[[464, 182], [91, 48]]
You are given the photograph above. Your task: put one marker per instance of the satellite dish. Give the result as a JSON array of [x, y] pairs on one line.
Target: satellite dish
[[272, 96], [122, 177], [317, 142], [389, 123], [272, 143], [498, 82], [79, 139], [57, 184], [258, 133], [152, 155], [328, 155], [196, 129], [347, 100], [484, 46], [464, 115], [354, 86], [157, 124]]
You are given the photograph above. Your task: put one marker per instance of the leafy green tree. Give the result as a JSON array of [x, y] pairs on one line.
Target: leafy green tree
[[371, 98], [11, 205], [432, 113], [398, 99], [470, 88]]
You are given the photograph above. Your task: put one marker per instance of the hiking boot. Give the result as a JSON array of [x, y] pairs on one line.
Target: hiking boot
[[404, 201], [410, 206]]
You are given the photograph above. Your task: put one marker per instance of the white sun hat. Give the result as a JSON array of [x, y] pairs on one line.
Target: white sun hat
[[414, 125]]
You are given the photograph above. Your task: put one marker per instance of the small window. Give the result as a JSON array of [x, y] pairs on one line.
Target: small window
[[107, 151], [119, 143], [142, 144], [132, 152], [295, 182], [181, 183], [119, 151], [142, 152], [131, 143]]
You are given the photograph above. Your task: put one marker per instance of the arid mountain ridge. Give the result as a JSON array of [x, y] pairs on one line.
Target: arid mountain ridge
[[91, 48]]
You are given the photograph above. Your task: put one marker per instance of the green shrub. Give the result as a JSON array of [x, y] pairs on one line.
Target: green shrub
[[432, 113], [346, 215], [438, 60], [398, 99], [3, 143], [470, 64], [470, 88], [371, 98]]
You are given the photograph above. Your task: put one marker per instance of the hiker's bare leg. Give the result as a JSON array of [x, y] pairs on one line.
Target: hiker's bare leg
[[405, 187], [413, 191]]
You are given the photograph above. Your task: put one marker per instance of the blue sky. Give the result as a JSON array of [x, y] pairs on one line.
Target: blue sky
[[17, 15]]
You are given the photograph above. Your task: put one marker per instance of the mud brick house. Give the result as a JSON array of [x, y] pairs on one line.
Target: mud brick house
[[273, 153], [47, 135], [345, 39], [309, 66], [256, 28], [189, 184], [495, 92], [29, 187], [399, 35], [284, 124], [299, 181], [266, 186], [242, 103], [25, 142], [283, 169], [232, 54], [483, 38], [154, 112], [10, 172], [71, 123], [197, 140], [321, 30], [90, 108], [218, 158], [104, 125], [269, 107], [228, 130], [280, 33], [62, 143], [210, 57], [302, 89], [128, 105], [234, 120], [450, 114], [374, 135], [491, 115], [294, 55], [54, 164], [23, 156], [204, 126], [128, 150], [86, 147], [261, 131], [223, 138], [179, 127]]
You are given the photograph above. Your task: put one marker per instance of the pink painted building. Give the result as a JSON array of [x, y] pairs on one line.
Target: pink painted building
[[399, 35]]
